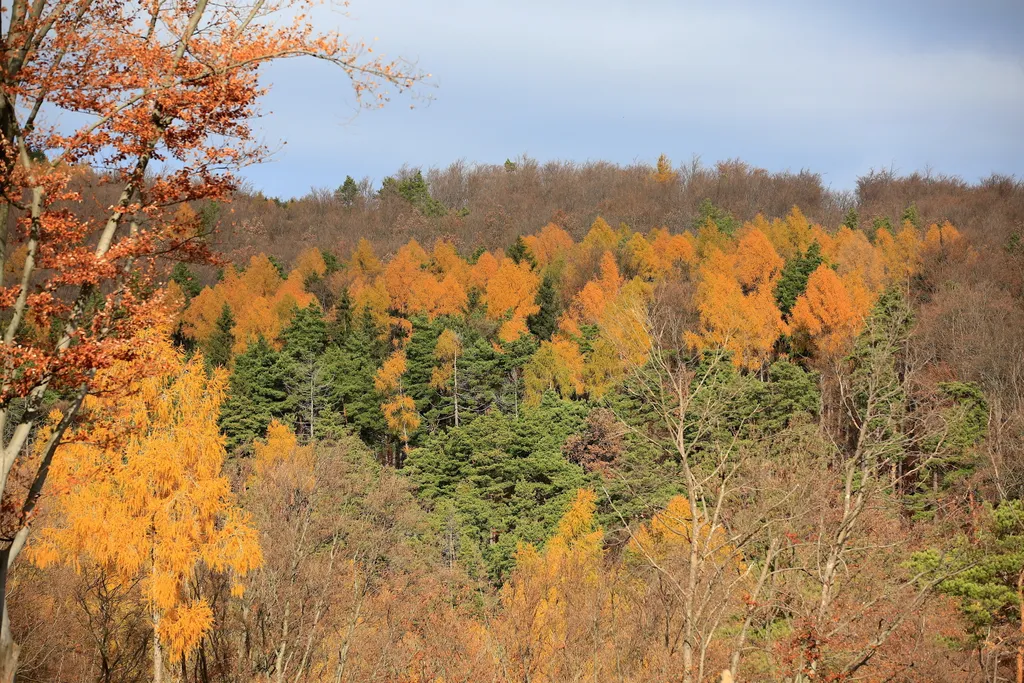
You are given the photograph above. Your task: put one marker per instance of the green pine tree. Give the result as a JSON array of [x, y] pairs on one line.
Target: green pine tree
[[186, 279], [276, 262], [852, 219], [257, 393], [519, 253], [348, 192], [507, 478], [948, 453], [544, 323], [984, 572], [349, 367], [725, 221], [794, 277], [912, 216], [218, 348], [306, 334]]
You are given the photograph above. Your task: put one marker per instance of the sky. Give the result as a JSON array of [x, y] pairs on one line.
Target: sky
[[838, 88]]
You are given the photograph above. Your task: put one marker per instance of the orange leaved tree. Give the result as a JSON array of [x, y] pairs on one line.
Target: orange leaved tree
[[159, 95], [141, 495]]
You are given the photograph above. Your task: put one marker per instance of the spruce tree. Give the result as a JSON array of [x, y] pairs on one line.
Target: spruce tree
[[218, 348], [518, 252], [852, 219], [186, 279], [306, 334], [257, 394], [794, 277], [348, 192], [306, 377], [912, 216], [507, 477], [349, 368], [276, 262], [545, 321]]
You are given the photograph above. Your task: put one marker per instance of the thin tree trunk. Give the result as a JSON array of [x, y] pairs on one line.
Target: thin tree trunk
[[8, 648], [455, 386], [158, 653]]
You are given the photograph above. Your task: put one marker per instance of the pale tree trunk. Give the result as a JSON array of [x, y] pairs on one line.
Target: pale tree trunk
[[455, 386], [158, 651]]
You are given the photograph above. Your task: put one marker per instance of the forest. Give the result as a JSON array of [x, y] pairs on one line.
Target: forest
[[530, 422], [769, 447]]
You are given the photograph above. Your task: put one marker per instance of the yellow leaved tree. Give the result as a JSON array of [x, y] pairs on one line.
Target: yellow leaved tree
[[553, 600], [399, 408], [141, 495], [832, 311], [445, 377], [737, 307]]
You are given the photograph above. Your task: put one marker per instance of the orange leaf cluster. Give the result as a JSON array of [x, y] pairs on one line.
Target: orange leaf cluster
[[260, 301], [832, 310]]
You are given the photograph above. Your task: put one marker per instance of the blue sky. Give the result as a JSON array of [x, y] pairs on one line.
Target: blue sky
[[838, 88]]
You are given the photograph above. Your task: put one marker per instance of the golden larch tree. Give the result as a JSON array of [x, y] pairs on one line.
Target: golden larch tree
[[445, 377], [161, 97], [832, 310], [548, 245], [557, 365], [549, 602], [746, 324], [141, 494], [511, 296], [398, 407]]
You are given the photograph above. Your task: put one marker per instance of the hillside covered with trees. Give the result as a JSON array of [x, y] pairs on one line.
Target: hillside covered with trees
[[514, 423], [785, 449]]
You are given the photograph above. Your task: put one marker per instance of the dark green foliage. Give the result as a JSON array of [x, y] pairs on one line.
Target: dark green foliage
[[420, 362], [876, 390], [341, 326], [725, 221], [794, 277], [912, 216], [487, 379], [218, 348], [475, 256], [880, 223], [510, 366], [306, 376], [728, 405], [347, 192], [186, 279], [947, 451], [544, 322], [414, 189], [257, 394], [306, 334], [276, 262], [349, 368], [319, 287], [852, 219], [984, 570], [519, 253], [209, 214], [331, 262], [507, 478]]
